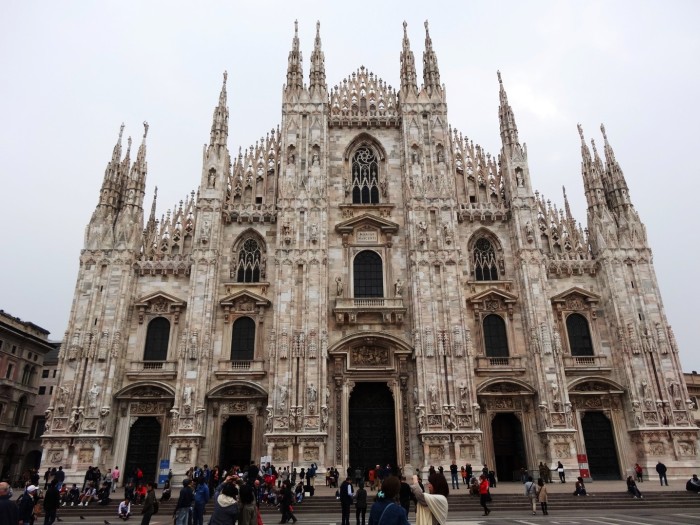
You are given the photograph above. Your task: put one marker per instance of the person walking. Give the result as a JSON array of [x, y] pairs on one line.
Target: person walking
[[345, 500], [431, 506], [531, 493], [286, 503], [149, 504], [360, 504], [26, 505], [560, 471], [52, 501], [542, 495], [484, 495], [661, 470], [184, 502], [9, 513], [385, 510]]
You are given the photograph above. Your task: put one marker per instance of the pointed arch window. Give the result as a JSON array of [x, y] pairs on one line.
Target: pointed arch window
[[365, 177], [495, 338], [20, 412], [248, 270], [243, 339], [485, 267], [368, 275], [580, 342], [157, 339]]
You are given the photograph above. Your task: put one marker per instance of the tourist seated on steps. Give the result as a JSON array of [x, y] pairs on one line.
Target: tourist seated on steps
[[580, 487], [693, 484], [632, 488]]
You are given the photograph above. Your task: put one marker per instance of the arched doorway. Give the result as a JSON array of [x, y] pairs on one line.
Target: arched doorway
[[372, 426], [32, 460], [142, 451], [600, 446], [508, 446], [10, 460], [236, 442]]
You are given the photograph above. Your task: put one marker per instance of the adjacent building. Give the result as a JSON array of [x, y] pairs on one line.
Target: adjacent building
[[367, 285]]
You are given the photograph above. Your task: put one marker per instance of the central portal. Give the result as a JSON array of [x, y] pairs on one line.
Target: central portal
[[372, 426]]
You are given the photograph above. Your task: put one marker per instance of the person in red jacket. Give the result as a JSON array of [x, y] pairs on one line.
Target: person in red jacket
[[484, 496]]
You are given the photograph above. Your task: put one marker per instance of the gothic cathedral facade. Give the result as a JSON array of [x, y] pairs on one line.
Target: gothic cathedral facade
[[366, 285]]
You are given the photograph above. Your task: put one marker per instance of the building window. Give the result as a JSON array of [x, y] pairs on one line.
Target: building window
[[580, 342], [157, 339], [44, 374], [20, 412], [1, 343], [248, 270], [10, 370], [485, 268], [14, 349], [495, 338], [38, 428], [42, 390], [368, 275], [54, 372], [365, 177], [26, 374], [243, 339]]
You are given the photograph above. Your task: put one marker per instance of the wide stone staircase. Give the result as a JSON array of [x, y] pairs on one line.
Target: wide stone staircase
[[458, 503]]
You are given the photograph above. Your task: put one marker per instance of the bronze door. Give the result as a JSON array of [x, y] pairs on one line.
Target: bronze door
[[372, 426], [236, 442], [600, 446], [508, 447], [142, 451]]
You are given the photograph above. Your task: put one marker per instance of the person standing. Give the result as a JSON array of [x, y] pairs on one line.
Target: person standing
[[385, 511], [346, 495], [560, 471], [531, 493], [453, 474], [248, 513], [184, 502], [542, 496], [60, 477], [115, 478], [26, 505], [639, 472], [360, 504], [405, 495], [201, 497], [149, 504], [484, 495], [431, 506], [8, 510], [661, 469], [52, 500]]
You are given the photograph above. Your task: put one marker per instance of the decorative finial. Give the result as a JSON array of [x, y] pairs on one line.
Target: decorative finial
[[426, 27], [580, 131], [296, 28], [145, 129], [405, 25], [602, 129], [155, 192], [318, 27], [498, 72], [121, 131], [225, 76]]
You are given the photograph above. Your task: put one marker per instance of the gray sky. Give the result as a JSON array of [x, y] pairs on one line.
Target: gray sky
[[72, 72]]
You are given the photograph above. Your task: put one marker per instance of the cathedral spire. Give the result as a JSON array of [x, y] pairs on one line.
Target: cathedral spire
[[295, 74], [219, 125], [618, 191], [109, 193], [591, 173], [408, 64], [509, 130], [317, 73], [431, 73], [136, 182]]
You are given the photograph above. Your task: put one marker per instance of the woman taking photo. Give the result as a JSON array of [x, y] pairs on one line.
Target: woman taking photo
[[431, 506]]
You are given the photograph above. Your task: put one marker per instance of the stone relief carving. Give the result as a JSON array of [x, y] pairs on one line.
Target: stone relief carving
[[369, 356]]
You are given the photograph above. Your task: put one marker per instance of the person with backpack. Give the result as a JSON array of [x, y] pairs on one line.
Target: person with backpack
[[150, 504], [531, 493], [201, 497]]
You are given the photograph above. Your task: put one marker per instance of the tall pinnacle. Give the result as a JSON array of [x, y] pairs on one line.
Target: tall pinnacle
[[295, 75], [317, 73], [590, 171], [408, 64], [219, 125], [619, 190], [431, 73], [509, 130]]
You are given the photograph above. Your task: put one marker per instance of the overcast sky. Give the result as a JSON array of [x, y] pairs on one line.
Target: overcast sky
[[72, 72]]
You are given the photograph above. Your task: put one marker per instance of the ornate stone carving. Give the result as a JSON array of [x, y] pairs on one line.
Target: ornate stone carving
[[365, 356]]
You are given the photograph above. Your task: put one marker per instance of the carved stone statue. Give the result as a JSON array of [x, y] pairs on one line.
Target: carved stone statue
[[311, 393], [339, 286], [324, 418], [187, 398], [269, 419], [398, 288], [433, 397], [92, 395]]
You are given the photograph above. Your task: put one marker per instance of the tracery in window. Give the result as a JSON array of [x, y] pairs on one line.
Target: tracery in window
[[157, 338], [365, 177], [485, 267], [580, 342], [248, 270], [243, 340], [368, 275], [495, 338]]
